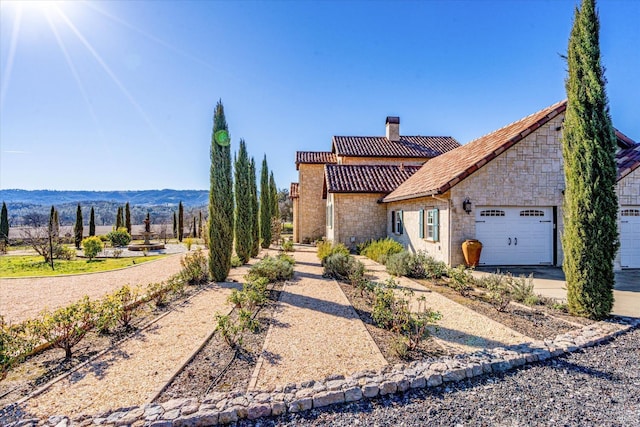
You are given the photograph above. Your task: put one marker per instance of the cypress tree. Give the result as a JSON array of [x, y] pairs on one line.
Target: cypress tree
[[119, 218], [78, 229], [243, 222], [4, 224], [275, 213], [180, 221], [92, 223], [590, 238], [194, 232], [255, 211], [266, 207], [199, 224], [127, 217], [220, 199], [175, 226]]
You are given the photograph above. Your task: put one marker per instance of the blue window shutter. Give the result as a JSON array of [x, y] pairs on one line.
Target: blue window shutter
[[421, 223], [436, 225], [401, 224], [393, 221]]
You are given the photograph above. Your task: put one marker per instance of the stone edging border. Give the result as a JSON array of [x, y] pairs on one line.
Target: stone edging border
[[225, 408]]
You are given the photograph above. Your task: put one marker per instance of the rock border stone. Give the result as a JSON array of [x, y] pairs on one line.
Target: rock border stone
[[224, 408]]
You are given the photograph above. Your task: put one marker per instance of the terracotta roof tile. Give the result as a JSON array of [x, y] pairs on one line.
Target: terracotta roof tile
[[294, 191], [365, 178], [380, 146], [624, 141], [628, 160], [443, 172], [314, 157]]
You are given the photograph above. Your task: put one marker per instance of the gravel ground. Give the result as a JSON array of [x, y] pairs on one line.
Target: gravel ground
[[599, 386]]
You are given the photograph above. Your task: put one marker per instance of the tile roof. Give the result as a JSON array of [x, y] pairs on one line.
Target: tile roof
[[365, 178], [294, 191], [443, 172], [314, 157], [380, 146], [624, 141], [628, 160]]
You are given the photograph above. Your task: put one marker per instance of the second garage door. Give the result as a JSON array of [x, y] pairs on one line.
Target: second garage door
[[630, 237], [515, 236]]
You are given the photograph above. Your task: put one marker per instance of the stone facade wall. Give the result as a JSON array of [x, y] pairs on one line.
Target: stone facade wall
[[296, 219], [407, 161], [628, 189], [359, 216], [311, 212], [528, 174], [410, 237]]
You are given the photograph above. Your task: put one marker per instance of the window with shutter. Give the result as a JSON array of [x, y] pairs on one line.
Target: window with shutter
[[421, 223], [433, 225], [399, 219], [393, 221]]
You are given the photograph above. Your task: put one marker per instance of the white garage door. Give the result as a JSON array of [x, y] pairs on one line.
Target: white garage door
[[515, 236], [630, 237]]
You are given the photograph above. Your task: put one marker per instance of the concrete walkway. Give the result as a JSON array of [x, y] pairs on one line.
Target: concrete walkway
[[316, 331], [550, 282]]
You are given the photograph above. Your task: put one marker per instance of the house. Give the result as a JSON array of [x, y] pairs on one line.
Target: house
[[505, 189], [353, 177]]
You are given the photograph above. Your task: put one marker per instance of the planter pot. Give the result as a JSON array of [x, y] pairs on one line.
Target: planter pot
[[471, 250]]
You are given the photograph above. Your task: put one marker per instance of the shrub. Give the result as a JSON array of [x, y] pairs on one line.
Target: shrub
[[499, 291], [91, 247], [343, 267], [326, 249], [383, 312], [460, 279], [64, 252], [119, 237], [188, 243], [287, 228], [16, 341], [522, 288], [67, 326], [416, 325], [433, 269], [159, 293], [398, 264], [236, 261], [380, 250], [287, 246], [232, 330], [272, 269], [195, 269]]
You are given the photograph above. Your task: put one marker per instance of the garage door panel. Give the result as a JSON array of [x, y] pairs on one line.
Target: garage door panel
[[630, 237], [515, 236]]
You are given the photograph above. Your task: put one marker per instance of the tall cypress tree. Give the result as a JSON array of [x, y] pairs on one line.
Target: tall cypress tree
[[78, 229], [220, 199], [590, 238], [180, 221], [4, 224], [275, 213], [175, 226], [199, 224], [255, 210], [243, 222], [194, 232], [55, 222], [119, 218], [127, 217], [266, 207], [92, 223]]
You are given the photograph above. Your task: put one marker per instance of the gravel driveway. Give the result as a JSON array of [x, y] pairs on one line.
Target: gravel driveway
[[599, 386]]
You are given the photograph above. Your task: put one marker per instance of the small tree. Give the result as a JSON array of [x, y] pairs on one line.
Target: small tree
[[275, 212], [266, 207], [78, 228], [194, 231], [199, 224], [119, 218], [92, 223], [175, 226], [4, 225], [180, 221], [127, 217], [92, 246], [255, 211], [38, 232]]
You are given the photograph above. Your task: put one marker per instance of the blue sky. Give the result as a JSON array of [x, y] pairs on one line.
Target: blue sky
[[119, 95]]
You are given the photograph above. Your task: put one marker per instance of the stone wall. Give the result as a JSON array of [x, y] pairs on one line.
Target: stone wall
[[528, 174], [311, 217], [410, 238], [628, 189], [296, 219], [358, 216]]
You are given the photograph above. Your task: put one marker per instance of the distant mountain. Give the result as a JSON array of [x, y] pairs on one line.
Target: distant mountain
[[140, 198]]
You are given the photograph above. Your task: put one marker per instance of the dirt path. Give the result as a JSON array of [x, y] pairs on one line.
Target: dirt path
[[25, 298], [316, 331], [460, 329]]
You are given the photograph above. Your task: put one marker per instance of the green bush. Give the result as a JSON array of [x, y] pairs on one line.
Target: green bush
[[460, 279], [499, 291], [236, 261], [417, 266], [16, 342], [343, 267], [380, 250], [159, 293], [195, 268], [91, 247], [272, 269], [119, 237], [119, 307], [287, 246], [64, 252], [522, 289], [326, 249], [398, 264], [232, 330]]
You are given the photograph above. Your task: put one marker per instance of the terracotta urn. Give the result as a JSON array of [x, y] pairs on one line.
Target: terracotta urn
[[471, 249]]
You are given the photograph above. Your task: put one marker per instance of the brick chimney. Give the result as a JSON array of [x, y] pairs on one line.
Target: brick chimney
[[393, 128]]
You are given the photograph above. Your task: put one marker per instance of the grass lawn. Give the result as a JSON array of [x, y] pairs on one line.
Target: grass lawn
[[21, 266]]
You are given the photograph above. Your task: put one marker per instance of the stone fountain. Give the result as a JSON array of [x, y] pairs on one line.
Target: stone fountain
[[147, 234]]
